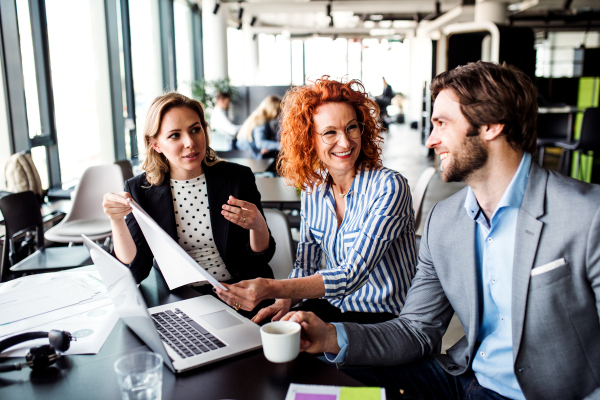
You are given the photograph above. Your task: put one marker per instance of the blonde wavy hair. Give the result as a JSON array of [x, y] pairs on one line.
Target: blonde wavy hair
[[267, 111], [156, 164]]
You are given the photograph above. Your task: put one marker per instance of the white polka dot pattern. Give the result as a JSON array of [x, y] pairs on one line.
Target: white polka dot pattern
[[194, 230]]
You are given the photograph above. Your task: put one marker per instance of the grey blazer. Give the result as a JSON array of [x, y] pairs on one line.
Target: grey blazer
[[555, 314]]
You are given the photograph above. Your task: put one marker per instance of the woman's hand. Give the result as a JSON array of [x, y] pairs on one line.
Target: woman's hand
[[277, 310], [116, 205], [247, 216], [246, 294], [244, 214]]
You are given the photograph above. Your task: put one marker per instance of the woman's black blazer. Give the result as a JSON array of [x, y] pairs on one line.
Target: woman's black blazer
[[233, 242]]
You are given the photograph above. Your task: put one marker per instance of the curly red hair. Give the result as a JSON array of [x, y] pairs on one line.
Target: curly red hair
[[298, 161]]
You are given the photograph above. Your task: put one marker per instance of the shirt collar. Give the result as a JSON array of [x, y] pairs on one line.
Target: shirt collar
[[513, 195], [359, 184]]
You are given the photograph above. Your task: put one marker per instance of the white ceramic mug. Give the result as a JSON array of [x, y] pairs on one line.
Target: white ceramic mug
[[280, 340]]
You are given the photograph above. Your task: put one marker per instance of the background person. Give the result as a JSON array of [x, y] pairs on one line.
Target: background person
[[516, 255], [210, 207], [224, 131], [259, 132], [356, 213]]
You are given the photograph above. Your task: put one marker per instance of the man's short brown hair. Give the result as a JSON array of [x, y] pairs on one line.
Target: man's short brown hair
[[489, 93]]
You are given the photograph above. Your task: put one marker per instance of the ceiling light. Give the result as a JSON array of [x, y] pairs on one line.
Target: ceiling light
[[376, 17], [216, 9]]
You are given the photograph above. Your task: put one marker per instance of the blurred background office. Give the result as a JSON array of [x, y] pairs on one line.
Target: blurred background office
[[78, 75]]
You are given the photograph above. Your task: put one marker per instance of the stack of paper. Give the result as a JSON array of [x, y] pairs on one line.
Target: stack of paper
[[74, 300]]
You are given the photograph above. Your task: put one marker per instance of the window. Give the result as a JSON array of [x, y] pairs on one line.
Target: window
[[274, 60], [80, 84], [557, 55], [184, 49], [325, 56], [29, 75], [146, 59]]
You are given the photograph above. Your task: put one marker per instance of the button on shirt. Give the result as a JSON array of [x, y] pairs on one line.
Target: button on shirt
[[371, 258], [495, 242]]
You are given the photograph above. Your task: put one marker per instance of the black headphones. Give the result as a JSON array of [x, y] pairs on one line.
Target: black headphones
[[38, 357]]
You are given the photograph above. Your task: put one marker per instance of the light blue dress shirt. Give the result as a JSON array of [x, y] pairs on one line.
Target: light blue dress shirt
[[371, 256], [493, 362], [495, 244]]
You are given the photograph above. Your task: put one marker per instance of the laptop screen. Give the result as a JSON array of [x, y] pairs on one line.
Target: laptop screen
[[127, 298]]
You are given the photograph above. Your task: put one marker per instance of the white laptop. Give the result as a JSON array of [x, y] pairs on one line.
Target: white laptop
[[186, 333]]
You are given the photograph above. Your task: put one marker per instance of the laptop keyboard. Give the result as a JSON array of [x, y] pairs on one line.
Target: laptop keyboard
[[183, 334]]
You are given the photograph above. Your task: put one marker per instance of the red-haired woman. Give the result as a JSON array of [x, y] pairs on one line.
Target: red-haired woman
[[356, 213]]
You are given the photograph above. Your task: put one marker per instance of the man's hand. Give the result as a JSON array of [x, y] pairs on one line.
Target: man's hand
[[317, 336]]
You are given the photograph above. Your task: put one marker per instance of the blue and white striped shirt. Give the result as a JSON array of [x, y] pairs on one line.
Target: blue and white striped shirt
[[371, 258]]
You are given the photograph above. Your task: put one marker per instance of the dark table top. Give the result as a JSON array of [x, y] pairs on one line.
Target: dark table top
[[246, 376]]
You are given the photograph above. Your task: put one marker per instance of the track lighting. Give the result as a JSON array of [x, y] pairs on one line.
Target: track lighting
[[216, 9]]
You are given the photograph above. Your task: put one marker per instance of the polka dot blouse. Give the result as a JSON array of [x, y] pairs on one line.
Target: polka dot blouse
[[194, 230]]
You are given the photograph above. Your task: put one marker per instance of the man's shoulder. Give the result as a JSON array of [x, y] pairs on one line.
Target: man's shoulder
[[571, 194]]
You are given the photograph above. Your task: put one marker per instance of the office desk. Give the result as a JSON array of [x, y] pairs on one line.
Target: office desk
[[256, 165], [275, 193], [246, 376]]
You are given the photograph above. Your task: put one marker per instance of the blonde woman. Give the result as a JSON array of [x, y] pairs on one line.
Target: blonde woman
[[209, 206], [259, 132]]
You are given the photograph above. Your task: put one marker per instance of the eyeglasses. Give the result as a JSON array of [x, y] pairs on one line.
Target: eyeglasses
[[354, 130]]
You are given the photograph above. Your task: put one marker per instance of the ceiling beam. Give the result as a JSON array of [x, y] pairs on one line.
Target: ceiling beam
[[372, 7]]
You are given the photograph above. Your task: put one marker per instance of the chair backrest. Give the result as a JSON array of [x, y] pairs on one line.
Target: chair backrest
[[553, 125], [126, 169], [21, 212], [283, 260], [95, 182], [419, 193], [589, 139], [21, 175]]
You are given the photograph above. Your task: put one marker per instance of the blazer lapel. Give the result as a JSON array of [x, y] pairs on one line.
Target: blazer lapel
[[218, 194], [160, 206], [527, 237], [464, 252]]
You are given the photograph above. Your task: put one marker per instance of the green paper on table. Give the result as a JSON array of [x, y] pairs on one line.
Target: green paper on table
[[360, 393], [298, 391]]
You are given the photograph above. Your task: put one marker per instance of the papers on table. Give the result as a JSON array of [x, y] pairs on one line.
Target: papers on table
[[321, 392], [177, 267], [74, 300]]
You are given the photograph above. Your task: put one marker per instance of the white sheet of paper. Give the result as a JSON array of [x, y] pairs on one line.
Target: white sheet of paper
[[27, 285], [176, 265], [91, 329], [53, 295]]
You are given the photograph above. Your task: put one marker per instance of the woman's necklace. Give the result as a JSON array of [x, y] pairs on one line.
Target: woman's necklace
[[342, 195]]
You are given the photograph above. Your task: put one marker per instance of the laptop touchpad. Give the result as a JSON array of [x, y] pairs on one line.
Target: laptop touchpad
[[221, 320]]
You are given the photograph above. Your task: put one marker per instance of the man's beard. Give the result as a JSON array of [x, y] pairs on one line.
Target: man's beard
[[472, 156]]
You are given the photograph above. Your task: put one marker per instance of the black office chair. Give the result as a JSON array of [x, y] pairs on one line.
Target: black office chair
[[22, 215], [589, 140], [126, 169], [552, 127]]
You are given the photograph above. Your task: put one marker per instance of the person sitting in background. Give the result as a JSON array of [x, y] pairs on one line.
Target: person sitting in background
[[209, 206], [224, 131], [259, 132], [355, 213], [384, 100]]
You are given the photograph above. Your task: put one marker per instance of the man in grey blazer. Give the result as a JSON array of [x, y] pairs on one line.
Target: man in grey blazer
[[516, 255]]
